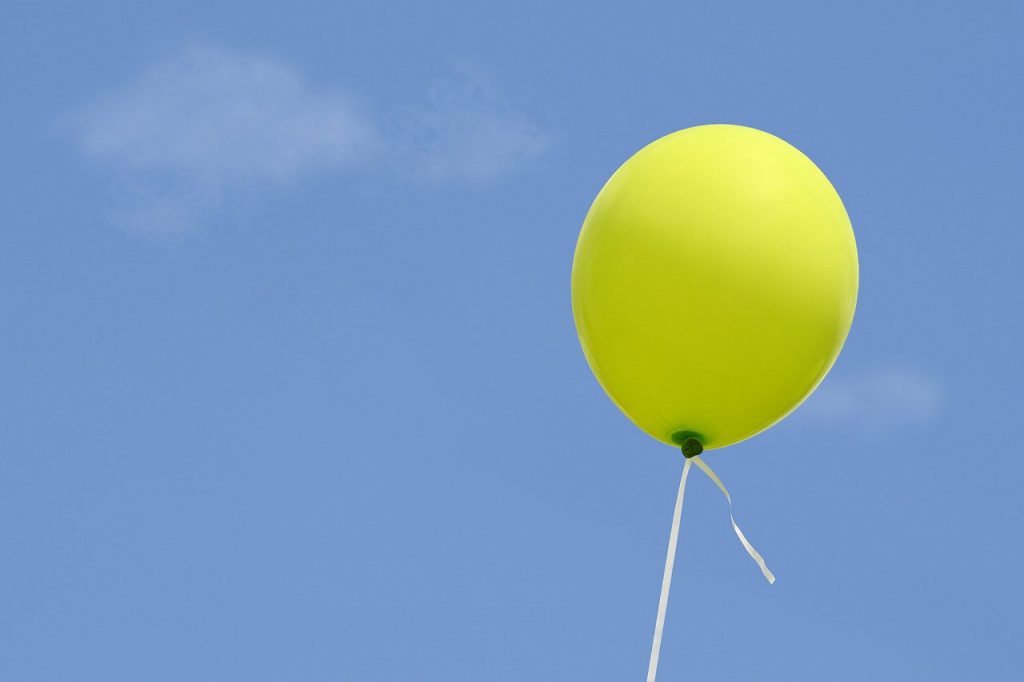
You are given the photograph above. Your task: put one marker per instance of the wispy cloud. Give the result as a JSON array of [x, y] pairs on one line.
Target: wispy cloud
[[878, 399], [223, 115], [466, 131], [192, 131]]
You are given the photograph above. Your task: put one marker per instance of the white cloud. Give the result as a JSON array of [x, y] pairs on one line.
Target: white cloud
[[193, 131], [465, 131], [208, 123], [878, 399], [224, 116]]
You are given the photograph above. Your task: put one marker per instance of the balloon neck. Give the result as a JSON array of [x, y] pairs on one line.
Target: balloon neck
[[690, 442]]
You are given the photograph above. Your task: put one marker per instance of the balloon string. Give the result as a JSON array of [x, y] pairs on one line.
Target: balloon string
[[670, 557], [754, 554], [666, 580]]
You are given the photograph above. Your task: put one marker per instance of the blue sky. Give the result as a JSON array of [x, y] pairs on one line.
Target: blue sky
[[291, 388]]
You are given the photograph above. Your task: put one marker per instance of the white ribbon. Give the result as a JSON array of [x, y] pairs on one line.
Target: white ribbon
[[666, 580], [769, 576], [670, 558]]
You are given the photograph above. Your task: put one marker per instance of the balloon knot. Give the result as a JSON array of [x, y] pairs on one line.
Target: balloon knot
[[691, 447], [689, 442]]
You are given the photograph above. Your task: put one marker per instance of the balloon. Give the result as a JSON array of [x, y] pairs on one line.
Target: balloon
[[714, 283]]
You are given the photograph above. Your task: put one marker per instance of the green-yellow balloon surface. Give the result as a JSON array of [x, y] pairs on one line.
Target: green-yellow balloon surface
[[714, 283]]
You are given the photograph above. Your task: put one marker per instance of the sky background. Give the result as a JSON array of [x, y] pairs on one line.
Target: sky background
[[290, 383]]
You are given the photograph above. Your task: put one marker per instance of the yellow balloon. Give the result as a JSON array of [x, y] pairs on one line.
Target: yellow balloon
[[714, 283]]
